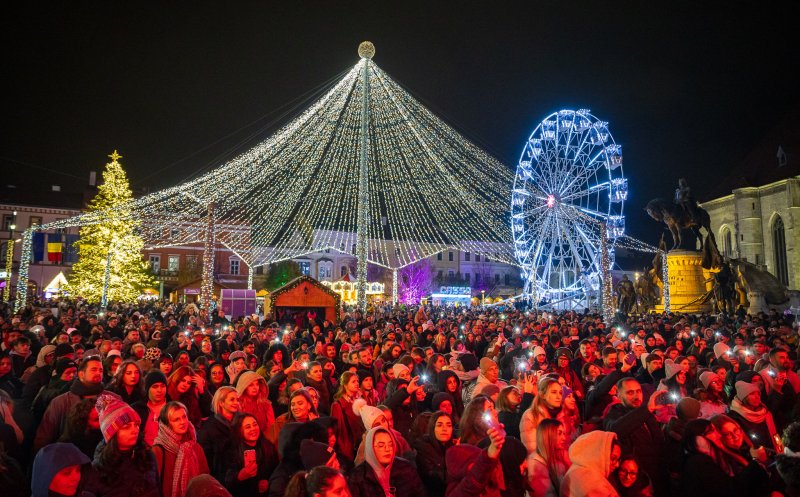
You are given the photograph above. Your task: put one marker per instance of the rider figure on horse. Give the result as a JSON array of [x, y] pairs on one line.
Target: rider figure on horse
[[684, 198]]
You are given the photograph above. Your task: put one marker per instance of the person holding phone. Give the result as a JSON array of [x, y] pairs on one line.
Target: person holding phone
[[251, 458]]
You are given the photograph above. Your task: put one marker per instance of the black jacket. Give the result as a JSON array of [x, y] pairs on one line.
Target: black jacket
[[701, 477], [431, 464], [404, 478], [640, 434], [213, 436]]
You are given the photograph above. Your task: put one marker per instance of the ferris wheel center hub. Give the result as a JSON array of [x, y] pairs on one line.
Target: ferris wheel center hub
[[551, 201]]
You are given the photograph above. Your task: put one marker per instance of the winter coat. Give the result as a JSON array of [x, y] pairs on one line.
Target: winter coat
[[640, 434], [404, 478], [431, 464], [539, 478], [591, 465], [464, 480], [128, 481], [213, 437], [702, 477], [52, 424], [266, 459], [165, 463], [349, 428], [11, 385]]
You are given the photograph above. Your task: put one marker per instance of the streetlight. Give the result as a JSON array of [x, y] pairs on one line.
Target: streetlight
[[483, 298]]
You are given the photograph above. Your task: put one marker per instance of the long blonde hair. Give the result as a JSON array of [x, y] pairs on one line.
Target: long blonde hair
[[539, 408]]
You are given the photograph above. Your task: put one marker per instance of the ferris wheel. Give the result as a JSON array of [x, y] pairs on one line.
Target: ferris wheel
[[569, 183]]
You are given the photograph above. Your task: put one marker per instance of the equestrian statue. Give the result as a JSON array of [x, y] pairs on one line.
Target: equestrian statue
[[682, 213]]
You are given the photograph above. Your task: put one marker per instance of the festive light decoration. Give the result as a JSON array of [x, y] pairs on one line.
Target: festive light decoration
[[207, 284], [22, 279], [110, 264], [665, 279], [568, 185], [297, 192], [362, 228], [414, 282], [9, 269], [605, 271], [348, 290]]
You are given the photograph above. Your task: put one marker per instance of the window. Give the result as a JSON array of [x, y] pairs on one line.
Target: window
[[192, 261], [451, 274], [439, 256], [234, 266], [477, 257], [260, 270], [466, 256], [486, 257], [342, 271], [8, 220], [328, 250], [450, 256], [507, 279], [466, 278], [439, 275], [497, 278], [477, 278], [173, 262], [727, 243], [155, 263], [779, 246], [35, 221], [325, 270], [305, 267], [354, 249]]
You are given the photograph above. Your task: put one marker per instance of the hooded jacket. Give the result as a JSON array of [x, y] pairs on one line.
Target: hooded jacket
[[364, 481], [591, 464], [50, 461], [261, 407]]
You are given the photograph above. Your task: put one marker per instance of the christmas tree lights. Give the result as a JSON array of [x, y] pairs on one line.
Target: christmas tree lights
[[428, 188], [110, 264]]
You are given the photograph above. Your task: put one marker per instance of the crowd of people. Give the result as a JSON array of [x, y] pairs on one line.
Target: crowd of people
[[168, 400]]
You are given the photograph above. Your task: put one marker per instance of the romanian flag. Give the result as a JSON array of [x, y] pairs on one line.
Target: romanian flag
[[54, 251]]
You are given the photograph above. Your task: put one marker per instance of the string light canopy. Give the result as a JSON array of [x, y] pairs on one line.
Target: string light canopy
[[426, 189]]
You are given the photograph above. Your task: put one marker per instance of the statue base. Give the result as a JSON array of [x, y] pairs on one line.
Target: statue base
[[687, 282]]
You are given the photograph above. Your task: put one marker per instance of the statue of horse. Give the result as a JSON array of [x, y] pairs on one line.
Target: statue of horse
[[677, 219]]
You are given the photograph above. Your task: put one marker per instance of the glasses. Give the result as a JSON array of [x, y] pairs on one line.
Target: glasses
[[384, 446], [624, 472], [732, 433]]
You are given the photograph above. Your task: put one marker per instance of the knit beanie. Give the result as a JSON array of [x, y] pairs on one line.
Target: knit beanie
[[537, 351], [440, 397], [707, 377], [743, 389], [367, 413], [362, 375], [487, 389], [563, 351], [62, 364], [153, 377], [63, 349], [671, 368], [485, 364], [153, 353], [113, 352], [114, 413], [237, 355], [315, 454], [688, 409], [720, 349], [399, 368]]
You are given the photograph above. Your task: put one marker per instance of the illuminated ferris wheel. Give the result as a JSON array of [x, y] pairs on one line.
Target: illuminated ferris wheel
[[569, 182]]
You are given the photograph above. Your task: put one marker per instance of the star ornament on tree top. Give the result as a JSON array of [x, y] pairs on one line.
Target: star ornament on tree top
[[115, 156]]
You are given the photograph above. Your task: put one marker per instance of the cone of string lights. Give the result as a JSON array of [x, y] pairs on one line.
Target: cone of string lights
[[365, 170]]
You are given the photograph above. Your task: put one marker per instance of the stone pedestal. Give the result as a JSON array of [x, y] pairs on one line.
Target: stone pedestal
[[686, 282]]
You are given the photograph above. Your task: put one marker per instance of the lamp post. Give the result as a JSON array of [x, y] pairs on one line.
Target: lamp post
[[483, 298]]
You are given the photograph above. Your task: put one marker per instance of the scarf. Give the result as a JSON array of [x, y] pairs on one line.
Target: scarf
[[187, 465], [758, 416]]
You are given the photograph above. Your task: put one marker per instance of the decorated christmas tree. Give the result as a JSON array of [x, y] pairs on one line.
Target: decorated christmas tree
[[112, 242]]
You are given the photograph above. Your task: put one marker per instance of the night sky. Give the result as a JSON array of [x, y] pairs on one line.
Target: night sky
[[178, 87]]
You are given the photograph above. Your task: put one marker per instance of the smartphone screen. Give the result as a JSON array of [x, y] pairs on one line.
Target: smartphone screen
[[249, 457]]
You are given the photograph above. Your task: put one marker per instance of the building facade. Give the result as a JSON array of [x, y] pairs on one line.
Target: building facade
[[760, 225]]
